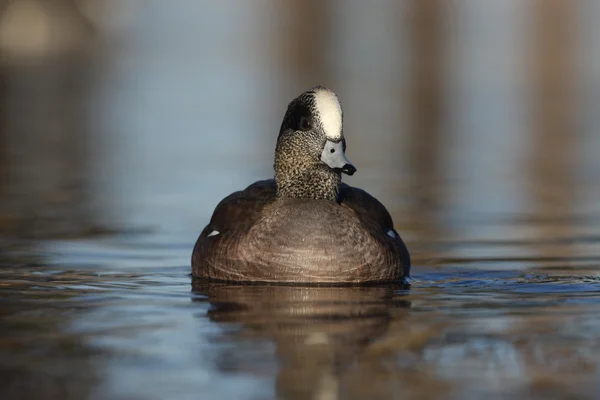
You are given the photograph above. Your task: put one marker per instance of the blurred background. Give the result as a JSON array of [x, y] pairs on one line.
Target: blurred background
[[134, 114], [142, 114], [124, 122]]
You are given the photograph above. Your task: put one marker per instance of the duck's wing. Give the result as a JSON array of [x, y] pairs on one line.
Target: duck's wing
[[232, 218], [241, 209], [375, 218]]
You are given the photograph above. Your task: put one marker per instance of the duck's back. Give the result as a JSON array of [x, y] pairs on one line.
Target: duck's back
[[256, 236]]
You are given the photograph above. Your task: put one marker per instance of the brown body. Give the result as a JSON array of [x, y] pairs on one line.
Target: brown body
[[263, 237]]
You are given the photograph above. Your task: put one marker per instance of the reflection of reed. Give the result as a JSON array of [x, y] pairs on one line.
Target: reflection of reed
[[47, 68], [318, 331], [426, 97], [304, 44], [554, 137], [3, 135]]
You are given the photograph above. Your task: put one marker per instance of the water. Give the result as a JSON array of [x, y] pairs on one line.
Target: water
[[502, 218], [129, 322]]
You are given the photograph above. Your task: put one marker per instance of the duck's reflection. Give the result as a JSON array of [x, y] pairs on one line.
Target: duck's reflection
[[318, 331]]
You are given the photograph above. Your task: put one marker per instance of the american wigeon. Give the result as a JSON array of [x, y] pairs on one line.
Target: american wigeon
[[304, 226]]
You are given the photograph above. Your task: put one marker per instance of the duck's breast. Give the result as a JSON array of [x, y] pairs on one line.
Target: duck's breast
[[316, 240]]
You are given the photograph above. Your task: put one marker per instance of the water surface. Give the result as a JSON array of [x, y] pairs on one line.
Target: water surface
[[129, 322]]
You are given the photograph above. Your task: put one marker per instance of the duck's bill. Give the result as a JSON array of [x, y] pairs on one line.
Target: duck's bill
[[348, 169], [333, 155]]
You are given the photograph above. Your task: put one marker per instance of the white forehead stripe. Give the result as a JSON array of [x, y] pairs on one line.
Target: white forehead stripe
[[330, 113]]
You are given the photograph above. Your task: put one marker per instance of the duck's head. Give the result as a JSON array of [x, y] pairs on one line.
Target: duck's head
[[310, 153]]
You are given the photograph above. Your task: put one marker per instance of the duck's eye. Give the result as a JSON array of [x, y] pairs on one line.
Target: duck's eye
[[305, 124], [332, 151]]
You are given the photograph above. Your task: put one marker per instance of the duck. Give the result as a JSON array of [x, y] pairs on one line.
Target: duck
[[304, 226]]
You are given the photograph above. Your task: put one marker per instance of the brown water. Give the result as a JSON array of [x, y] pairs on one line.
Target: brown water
[[499, 208]]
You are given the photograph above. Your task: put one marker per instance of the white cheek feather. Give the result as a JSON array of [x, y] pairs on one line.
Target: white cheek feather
[[330, 113], [213, 233], [391, 233]]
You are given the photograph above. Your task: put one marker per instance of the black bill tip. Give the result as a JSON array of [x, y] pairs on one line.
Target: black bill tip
[[349, 169]]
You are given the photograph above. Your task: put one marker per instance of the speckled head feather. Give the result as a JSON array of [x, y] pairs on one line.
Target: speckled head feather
[[312, 121]]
